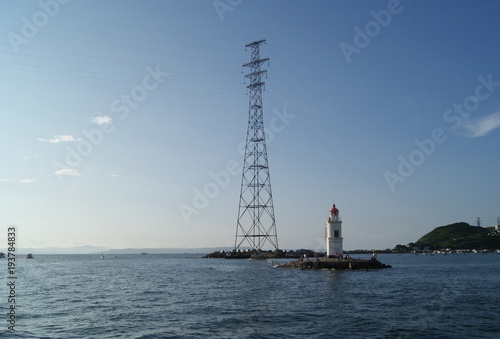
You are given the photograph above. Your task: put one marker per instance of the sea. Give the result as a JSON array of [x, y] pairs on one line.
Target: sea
[[186, 296]]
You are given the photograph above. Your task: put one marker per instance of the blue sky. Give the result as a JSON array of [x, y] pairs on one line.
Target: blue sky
[[122, 121]]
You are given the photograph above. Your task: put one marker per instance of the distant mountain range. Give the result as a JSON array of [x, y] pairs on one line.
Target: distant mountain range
[[105, 250], [60, 250], [167, 250], [456, 236]]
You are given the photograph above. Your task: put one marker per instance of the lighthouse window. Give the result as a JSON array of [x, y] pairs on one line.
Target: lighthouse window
[[336, 234]]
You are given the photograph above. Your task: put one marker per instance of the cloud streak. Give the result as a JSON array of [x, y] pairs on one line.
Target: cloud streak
[[70, 172], [22, 181], [482, 126], [59, 138], [101, 120]]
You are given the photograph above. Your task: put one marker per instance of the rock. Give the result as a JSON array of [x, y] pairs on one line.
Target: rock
[[336, 264]]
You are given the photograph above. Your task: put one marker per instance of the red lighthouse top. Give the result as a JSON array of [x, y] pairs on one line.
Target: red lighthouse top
[[334, 210]]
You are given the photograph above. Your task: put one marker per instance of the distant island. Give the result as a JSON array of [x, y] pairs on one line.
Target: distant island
[[457, 236]]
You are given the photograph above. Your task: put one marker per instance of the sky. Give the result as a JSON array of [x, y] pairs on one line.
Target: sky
[[122, 122]]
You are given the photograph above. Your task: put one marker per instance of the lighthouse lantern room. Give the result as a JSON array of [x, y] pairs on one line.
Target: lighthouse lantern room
[[334, 234]]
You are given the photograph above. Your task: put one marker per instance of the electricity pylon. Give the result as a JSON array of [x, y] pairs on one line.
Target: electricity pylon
[[256, 221]]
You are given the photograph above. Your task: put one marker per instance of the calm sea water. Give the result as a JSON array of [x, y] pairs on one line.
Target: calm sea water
[[185, 296]]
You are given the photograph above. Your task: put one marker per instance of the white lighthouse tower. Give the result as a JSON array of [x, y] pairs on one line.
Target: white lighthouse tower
[[334, 234]]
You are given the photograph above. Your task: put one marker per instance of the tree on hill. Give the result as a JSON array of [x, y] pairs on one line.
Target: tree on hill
[[401, 248]]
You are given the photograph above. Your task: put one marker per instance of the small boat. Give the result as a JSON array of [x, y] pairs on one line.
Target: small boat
[[30, 256], [2, 255], [143, 253]]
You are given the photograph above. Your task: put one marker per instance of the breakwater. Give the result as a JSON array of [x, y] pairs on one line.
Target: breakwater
[[335, 264]]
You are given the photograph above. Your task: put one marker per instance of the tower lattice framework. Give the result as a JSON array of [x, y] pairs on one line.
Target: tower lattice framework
[[256, 221]]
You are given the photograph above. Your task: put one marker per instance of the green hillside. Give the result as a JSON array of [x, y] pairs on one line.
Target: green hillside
[[459, 236]]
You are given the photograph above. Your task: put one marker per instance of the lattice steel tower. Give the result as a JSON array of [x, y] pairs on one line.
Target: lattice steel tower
[[256, 221]]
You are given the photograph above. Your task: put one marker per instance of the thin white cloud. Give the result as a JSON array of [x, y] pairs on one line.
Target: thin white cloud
[[482, 126], [22, 181], [26, 181], [71, 172], [28, 157], [101, 120], [113, 175], [60, 138]]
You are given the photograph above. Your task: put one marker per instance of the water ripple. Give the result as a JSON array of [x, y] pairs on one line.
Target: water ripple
[[174, 296]]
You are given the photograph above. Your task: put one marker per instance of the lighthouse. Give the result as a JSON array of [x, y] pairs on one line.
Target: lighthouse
[[334, 234]]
